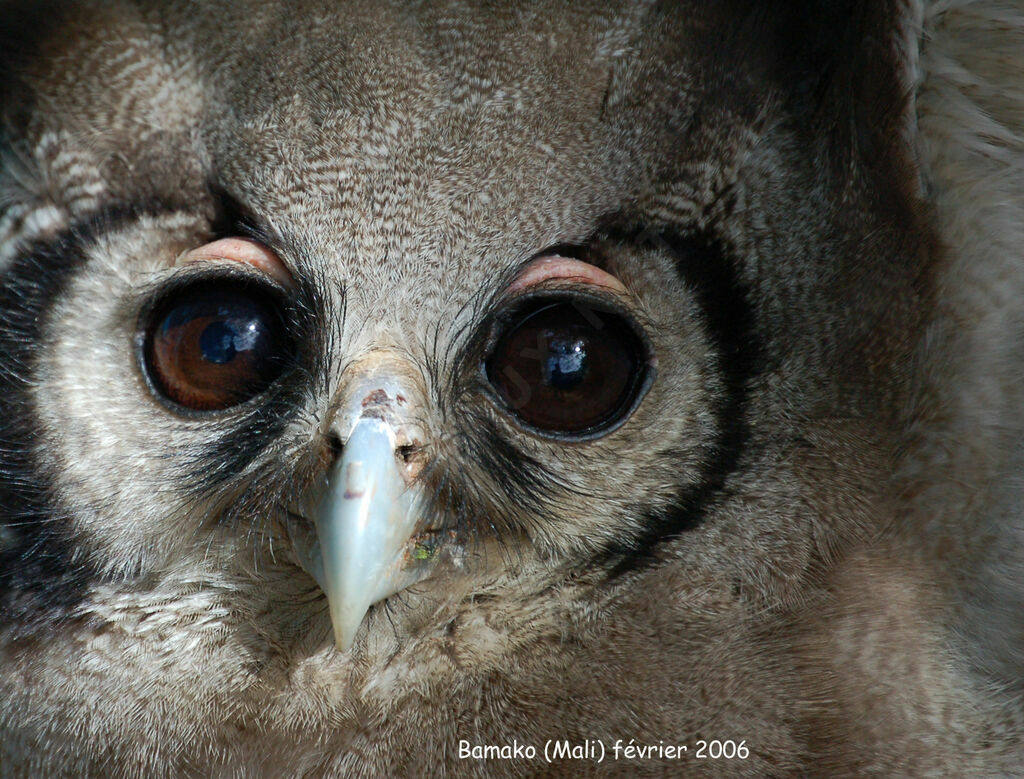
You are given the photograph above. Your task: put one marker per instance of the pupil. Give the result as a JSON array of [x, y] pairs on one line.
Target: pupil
[[566, 365], [219, 342]]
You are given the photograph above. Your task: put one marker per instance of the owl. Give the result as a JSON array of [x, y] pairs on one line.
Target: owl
[[511, 388]]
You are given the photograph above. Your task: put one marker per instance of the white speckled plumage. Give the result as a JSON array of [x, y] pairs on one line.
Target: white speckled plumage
[[804, 536]]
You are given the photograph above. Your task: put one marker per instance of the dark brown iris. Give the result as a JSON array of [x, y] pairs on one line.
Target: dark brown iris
[[567, 367], [214, 346]]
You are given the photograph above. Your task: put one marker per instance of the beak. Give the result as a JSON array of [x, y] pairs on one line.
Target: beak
[[371, 538], [365, 526], [367, 543]]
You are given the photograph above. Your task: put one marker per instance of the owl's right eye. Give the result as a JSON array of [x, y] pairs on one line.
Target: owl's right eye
[[212, 346]]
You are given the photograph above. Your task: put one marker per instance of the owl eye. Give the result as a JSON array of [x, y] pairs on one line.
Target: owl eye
[[210, 347], [569, 368]]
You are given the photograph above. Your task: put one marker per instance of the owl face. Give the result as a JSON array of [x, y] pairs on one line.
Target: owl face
[[370, 373], [366, 260]]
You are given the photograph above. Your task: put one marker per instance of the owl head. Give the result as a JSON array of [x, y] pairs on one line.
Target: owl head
[[377, 377]]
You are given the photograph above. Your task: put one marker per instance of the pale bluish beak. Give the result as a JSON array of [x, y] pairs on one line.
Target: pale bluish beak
[[365, 527]]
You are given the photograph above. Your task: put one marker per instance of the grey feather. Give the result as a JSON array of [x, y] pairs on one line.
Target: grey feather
[[801, 532]]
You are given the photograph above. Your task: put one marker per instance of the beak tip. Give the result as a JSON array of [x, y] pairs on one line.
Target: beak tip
[[343, 640], [346, 626]]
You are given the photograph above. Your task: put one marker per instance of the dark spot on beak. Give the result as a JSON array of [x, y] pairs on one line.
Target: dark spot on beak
[[376, 398]]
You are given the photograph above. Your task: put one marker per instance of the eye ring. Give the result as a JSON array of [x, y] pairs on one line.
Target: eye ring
[[210, 344], [569, 367]]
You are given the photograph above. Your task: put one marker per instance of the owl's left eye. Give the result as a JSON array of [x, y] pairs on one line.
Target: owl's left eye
[[213, 346], [568, 369]]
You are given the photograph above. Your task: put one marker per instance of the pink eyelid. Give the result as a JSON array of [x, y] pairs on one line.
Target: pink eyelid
[[245, 251], [564, 269]]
